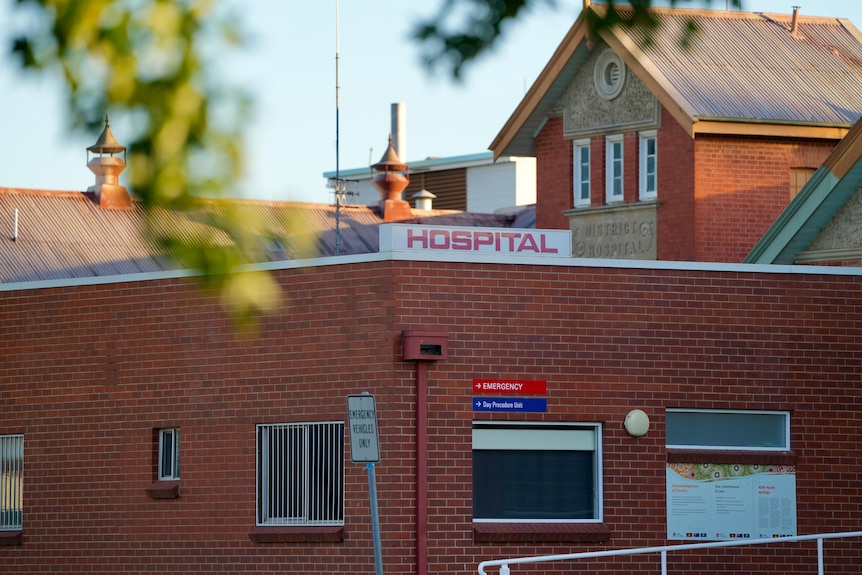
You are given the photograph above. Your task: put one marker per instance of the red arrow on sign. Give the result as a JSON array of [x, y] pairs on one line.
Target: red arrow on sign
[[511, 386]]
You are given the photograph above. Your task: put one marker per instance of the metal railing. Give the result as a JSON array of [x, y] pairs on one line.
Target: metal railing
[[664, 550]]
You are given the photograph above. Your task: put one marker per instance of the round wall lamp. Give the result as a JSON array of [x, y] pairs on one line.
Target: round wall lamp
[[637, 423]]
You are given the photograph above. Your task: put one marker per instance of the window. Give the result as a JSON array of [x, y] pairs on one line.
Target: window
[[729, 474], [536, 472], [648, 165], [169, 454], [300, 474], [11, 482], [582, 172], [614, 169], [720, 429]]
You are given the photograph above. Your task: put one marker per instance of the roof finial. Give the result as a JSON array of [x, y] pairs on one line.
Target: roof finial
[[107, 143]]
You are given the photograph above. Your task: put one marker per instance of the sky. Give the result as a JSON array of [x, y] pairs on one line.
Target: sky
[[289, 68]]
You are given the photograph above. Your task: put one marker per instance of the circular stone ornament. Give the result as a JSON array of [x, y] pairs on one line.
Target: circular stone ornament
[[609, 75]]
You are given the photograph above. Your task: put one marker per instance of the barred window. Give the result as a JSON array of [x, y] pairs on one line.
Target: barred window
[[300, 474], [11, 482]]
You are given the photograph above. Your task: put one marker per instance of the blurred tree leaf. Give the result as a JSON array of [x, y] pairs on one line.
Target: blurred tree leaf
[[151, 63], [461, 31]]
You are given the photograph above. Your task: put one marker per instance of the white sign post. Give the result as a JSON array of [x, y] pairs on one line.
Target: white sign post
[[362, 417], [364, 448]]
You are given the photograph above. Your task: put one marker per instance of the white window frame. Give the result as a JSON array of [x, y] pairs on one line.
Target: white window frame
[[316, 496], [505, 436], [614, 194], [718, 445], [647, 192], [11, 482], [169, 454]]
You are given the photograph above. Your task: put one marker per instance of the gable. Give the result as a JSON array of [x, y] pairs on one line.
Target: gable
[[587, 112], [745, 73], [841, 238]]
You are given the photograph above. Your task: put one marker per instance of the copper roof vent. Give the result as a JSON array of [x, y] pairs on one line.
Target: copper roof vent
[[107, 191], [391, 180], [794, 22]]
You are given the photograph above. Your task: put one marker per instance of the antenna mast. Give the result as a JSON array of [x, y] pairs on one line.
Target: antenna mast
[[339, 185]]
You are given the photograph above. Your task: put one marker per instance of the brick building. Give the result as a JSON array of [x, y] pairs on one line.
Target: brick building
[[649, 150], [147, 429], [528, 403]]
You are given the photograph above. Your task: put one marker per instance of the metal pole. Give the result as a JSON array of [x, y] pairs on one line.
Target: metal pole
[[375, 520], [820, 556], [337, 150]]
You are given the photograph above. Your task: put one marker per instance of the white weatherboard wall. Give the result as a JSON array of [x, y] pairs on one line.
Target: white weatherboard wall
[[509, 182], [491, 186]]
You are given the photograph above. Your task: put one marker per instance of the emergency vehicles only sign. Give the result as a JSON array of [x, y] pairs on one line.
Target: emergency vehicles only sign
[[362, 420]]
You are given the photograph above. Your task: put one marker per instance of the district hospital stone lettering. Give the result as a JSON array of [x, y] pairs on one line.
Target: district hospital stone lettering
[[610, 234]]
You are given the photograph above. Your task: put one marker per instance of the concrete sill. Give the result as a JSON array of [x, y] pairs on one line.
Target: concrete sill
[[283, 534], [164, 490], [10, 538]]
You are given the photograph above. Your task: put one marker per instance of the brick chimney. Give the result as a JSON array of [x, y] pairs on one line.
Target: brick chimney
[[107, 191], [391, 180]]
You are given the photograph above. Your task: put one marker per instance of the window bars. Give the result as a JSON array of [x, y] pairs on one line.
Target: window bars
[[300, 474], [11, 481]]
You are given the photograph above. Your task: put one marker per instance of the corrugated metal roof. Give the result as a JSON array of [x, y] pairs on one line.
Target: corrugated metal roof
[[749, 66], [742, 68], [66, 235]]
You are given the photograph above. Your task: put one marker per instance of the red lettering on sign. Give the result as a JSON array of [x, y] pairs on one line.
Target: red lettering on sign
[[483, 239], [545, 249], [439, 240], [528, 244], [461, 240], [422, 238]]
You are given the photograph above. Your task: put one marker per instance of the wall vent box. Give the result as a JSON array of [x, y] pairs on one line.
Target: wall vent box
[[425, 345]]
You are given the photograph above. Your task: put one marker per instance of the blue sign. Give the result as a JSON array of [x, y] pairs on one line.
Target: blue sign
[[524, 404]]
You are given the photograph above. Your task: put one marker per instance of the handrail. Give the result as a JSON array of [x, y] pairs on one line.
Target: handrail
[[664, 549]]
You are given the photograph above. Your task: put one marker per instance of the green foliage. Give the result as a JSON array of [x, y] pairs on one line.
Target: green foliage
[[151, 63]]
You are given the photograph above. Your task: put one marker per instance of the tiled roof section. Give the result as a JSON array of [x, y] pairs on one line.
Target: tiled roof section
[[65, 234], [750, 66]]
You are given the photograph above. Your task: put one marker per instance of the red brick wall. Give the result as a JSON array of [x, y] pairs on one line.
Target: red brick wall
[[89, 372], [718, 196], [741, 186], [554, 183], [597, 171], [676, 221]]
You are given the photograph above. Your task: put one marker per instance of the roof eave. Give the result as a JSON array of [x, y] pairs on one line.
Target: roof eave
[[533, 100], [765, 127]]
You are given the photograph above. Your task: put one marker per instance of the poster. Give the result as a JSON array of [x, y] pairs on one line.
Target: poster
[[710, 501]]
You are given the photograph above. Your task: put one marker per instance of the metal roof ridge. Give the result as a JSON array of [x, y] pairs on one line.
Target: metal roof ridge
[[39, 192]]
